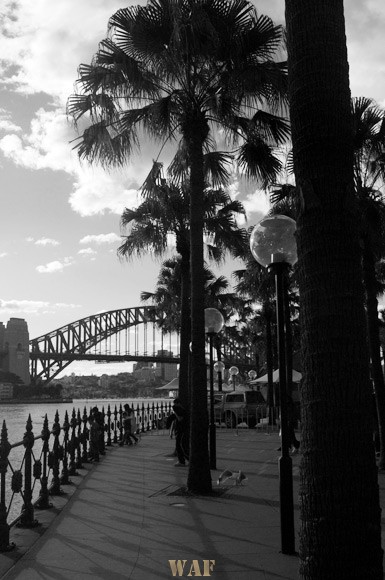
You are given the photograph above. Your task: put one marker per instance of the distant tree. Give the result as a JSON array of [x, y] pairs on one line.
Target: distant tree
[[163, 215]]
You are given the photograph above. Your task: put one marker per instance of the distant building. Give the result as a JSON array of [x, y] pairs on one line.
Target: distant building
[[144, 373], [6, 391], [166, 371], [104, 381], [14, 348]]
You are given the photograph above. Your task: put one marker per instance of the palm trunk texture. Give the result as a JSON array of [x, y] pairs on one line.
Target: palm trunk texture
[[185, 334], [375, 346], [199, 476], [340, 535]]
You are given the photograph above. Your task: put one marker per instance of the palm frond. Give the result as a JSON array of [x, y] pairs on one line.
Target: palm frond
[[257, 160], [98, 144], [216, 167]]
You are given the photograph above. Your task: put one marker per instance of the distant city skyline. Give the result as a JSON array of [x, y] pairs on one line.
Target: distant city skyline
[[59, 219]]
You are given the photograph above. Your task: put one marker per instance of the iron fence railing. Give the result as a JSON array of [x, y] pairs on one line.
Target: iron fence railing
[[33, 469]]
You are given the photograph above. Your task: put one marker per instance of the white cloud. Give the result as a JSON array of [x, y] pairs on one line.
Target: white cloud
[[256, 205], [54, 266], [96, 191], [3, 254], [255, 201], [48, 146], [99, 239], [6, 124], [40, 52], [47, 242], [87, 251], [48, 45], [9, 307], [45, 147]]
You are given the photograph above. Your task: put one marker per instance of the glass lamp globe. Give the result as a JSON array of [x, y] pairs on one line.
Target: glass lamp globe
[[252, 374], [273, 240], [214, 321], [233, 371], [219, 366]]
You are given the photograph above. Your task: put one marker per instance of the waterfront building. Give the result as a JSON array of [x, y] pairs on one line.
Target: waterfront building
[[14, 348]]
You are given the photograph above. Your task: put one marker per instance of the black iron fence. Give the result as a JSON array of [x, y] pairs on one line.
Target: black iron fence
[[34, 469]]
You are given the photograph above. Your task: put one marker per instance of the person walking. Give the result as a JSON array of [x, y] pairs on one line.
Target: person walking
[[129, 426], [182, 424]]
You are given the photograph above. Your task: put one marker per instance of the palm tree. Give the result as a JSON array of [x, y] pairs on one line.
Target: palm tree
[[169, 288], [338, 468], [369, 172], [167, 294], [165, 213], [369, 179], [177, 69]]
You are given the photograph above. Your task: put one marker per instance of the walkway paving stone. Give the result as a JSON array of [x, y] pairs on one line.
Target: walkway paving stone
[[125, 518]]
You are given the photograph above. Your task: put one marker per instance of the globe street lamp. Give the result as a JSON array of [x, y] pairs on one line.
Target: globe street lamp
[[273, 245], [233, 371], [214, 322], [219, 368]]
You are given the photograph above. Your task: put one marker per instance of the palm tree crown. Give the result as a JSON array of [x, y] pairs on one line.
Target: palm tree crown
[[169, 62]]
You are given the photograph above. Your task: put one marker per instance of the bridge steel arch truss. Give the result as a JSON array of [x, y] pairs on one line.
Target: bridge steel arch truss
[[53, 352]]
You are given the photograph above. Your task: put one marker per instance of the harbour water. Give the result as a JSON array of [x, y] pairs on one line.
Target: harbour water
[[16, 416]]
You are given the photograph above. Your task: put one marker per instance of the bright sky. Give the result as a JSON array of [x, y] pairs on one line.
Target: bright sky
[[59, 220]]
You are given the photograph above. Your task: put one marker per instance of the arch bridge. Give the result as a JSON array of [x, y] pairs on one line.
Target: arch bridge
[[128, 334]]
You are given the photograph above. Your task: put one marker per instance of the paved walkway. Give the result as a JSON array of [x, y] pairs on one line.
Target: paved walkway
[[119, 521]]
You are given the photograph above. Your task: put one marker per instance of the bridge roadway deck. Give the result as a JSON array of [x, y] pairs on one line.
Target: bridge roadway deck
[[119, 521]]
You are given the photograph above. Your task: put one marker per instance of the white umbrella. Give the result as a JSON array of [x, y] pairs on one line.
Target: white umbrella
[[296, 378], [171, 386]]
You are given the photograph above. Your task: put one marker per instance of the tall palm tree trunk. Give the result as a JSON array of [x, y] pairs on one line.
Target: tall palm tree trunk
[[375, 346], [340, 535], [199, 477], [185, 333]]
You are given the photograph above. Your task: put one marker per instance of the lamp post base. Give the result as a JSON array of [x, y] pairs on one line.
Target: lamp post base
[[285, 468]]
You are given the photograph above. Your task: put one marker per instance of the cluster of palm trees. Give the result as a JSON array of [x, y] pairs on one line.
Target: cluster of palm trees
[[207, 76], [200, 74]]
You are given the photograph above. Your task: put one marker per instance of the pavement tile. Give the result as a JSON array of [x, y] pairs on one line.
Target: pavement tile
[[119, 522]]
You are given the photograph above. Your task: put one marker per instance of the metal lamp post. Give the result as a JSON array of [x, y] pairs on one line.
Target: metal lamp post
[[214, 323], [233, 371], [273, 245], [219, 368]]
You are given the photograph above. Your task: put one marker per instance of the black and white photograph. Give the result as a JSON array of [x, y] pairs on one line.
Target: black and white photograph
[[192, 264]]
